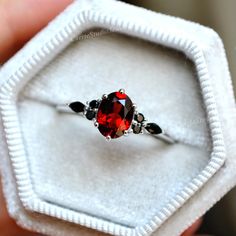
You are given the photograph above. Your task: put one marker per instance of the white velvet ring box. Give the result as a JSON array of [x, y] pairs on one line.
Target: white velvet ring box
[[62, 178]]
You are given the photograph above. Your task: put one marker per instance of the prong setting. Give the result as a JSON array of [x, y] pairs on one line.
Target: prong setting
[[135, 107], [104, 96], [122, 91]]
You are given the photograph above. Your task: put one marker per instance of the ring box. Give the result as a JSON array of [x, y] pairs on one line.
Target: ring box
[[61, 177]]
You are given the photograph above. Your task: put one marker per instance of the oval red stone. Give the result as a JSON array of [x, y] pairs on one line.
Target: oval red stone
[[115, 115]]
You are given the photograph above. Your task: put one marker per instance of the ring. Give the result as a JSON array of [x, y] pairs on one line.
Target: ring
[[115, 115]]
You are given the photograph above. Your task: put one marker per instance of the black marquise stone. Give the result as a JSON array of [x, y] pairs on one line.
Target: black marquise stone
[[94, 104], [153, 128], [77, 106], [90, 114]]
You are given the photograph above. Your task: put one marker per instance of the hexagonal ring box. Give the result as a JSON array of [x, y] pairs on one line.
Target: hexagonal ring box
[[61, 177]]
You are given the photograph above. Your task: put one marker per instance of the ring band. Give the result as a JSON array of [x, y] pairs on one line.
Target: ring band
[[115, 115]]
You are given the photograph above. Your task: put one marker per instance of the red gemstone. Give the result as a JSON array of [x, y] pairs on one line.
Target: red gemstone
[[115, 115]]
